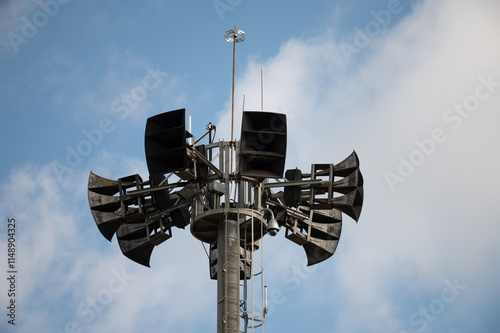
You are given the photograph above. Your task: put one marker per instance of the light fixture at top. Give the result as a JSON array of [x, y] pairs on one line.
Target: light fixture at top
[[234, 36]]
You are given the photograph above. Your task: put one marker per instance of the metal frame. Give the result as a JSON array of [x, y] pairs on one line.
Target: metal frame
[[236, 227]]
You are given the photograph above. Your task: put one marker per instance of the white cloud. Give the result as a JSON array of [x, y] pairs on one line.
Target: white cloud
[[63, 261], [438, 224], [11, 14]]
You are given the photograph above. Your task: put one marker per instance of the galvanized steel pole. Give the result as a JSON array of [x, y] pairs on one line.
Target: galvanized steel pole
[[234, 36], [232, 100], [228, 277]]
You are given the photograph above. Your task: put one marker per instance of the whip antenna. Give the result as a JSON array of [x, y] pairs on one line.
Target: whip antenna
[[261, 89], [233, 36]]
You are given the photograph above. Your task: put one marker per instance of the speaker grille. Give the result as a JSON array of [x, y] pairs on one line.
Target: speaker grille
[[263, 144], [165, 142]]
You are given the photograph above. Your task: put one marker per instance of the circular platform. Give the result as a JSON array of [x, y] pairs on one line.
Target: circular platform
[[206, 225]]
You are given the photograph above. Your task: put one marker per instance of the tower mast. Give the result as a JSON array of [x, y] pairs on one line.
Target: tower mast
[[233, 36]]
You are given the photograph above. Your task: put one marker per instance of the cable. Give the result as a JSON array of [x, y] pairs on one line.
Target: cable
[[204, 248]]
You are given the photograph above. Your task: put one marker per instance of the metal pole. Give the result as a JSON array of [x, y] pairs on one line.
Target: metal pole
[[261, 89], [228, 263], [228, 277], [232, 103], [228, 237]]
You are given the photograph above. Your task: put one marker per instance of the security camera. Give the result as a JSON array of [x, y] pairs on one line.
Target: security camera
[[273, 227]]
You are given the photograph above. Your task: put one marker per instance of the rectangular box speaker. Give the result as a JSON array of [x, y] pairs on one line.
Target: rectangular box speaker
[[165, 142], [263, 144]]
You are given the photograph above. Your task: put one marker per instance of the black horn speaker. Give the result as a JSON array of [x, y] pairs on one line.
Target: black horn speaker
[[165, 142], [263, 144]]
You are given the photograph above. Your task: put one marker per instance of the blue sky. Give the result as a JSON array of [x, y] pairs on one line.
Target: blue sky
[[412, 86]]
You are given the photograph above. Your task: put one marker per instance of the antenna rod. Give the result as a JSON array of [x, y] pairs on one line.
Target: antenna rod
[[261, 88], [232, 99], [234, 36], [189, 130]]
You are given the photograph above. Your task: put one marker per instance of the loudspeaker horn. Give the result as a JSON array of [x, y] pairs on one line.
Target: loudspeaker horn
[[351, 186], [262, 144], [138, 240], [165, 142], [108, 210], [319, 235]]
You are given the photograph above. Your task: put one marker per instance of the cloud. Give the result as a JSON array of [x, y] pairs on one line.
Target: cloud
[[11, 14], [70, 276], [439, 222]]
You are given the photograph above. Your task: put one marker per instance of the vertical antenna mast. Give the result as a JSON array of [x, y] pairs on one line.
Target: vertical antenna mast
[[261, 89], [233, 36]]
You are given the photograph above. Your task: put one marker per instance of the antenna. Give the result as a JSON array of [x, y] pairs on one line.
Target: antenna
[[189, 130], [233, 36], [261, 89]]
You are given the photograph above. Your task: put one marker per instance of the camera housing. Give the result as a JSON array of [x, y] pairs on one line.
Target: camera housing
[[273, 227]]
